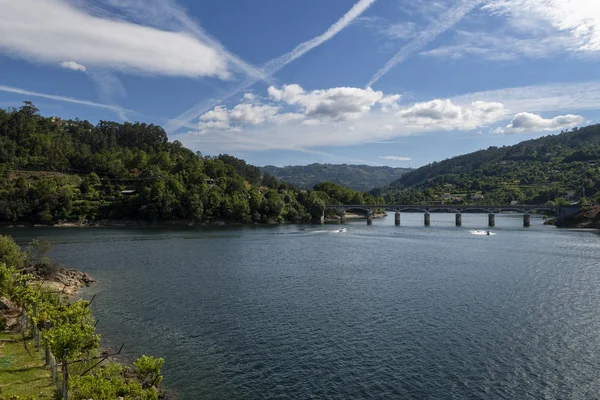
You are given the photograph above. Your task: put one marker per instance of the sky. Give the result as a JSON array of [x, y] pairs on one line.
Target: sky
[[379, 82]]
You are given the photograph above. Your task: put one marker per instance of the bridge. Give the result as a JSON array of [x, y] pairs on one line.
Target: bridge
[[458, 210]]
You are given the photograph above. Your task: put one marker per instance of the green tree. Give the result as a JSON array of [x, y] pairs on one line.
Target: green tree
[[10, 253]]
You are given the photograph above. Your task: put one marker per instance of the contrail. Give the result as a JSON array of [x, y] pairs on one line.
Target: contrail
[[273, 66], [446, 21], [276, 64], [9, 89]]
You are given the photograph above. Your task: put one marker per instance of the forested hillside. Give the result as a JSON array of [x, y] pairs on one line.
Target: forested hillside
[[553, 169], [357, 177], [53, 169]]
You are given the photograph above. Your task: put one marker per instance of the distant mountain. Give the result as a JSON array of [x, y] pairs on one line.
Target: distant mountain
[[558, 168], [357, 177]]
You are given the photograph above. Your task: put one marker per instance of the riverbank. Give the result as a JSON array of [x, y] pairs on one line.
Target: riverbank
[[587, 218], [36, 313], [348, 215], [135, 224], [55, 278]]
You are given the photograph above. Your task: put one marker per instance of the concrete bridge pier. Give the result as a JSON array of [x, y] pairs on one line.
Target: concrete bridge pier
[[458, 219], [491, 220], [342, 217], [427, 219], [322, 219], [397, 219], [526, 220], [369, 218]]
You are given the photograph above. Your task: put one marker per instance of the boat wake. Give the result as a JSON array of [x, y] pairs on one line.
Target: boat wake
[[340, 230], [483, 233]]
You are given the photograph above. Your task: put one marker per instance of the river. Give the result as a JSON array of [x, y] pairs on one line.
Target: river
[[370, 312]]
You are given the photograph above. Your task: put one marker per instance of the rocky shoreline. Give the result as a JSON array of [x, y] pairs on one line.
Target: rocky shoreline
[[587, 218], [67, 281]]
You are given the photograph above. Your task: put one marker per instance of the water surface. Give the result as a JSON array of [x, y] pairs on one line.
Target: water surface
[[371, 312]]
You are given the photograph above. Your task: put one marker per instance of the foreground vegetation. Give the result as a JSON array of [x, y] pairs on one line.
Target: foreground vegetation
[[22, 371], [555, 169], [68, 330], [53, 170]]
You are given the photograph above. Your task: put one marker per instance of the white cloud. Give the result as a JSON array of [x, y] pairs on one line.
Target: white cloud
[[499, 46], [580, 18], [531, 28], [53, 31], [274, 66], [291, 129], [73, 65], [311, 108], [335, 104], [395, 158], [300, 119], [167, 15], [526, 123], [558, 97], [444, 114], [517, 37], [242, 114], [249, 96]]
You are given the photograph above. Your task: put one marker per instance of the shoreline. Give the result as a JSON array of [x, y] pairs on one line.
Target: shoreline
[[132, 224], [67, 281]]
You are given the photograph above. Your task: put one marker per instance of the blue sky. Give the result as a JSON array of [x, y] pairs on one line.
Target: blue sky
[[382, 82]]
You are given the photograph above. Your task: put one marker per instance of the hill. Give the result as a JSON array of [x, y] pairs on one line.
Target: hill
[[357, 177], [72, 171], [552, 169]]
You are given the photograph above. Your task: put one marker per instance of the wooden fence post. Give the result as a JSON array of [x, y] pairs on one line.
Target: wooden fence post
[[53, 368], [65, 382], [34, 329], [46, 327]]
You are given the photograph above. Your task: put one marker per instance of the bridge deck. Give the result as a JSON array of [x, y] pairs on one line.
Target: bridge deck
[[491, 209]]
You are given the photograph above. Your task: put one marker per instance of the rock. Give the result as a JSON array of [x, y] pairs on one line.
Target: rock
[[6, 304]]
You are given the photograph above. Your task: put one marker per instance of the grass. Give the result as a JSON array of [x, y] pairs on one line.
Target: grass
[[22, 374]]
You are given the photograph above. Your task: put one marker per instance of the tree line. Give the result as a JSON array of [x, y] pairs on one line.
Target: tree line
[[556, 169], [71, 170]]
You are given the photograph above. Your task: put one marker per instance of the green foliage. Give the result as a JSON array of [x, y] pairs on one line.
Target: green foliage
[[72, 336], [109, 382], [7, 279], [15, 285], [10, 252], [357, 177], [148, 370], [557, 169], [72, 170], [73, 333]]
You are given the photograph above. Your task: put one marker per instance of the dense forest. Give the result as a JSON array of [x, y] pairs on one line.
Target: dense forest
[[70, 170], [557, 169], [357, 177]]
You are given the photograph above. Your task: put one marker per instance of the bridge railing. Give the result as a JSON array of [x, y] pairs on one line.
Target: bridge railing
[[426, 207]]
